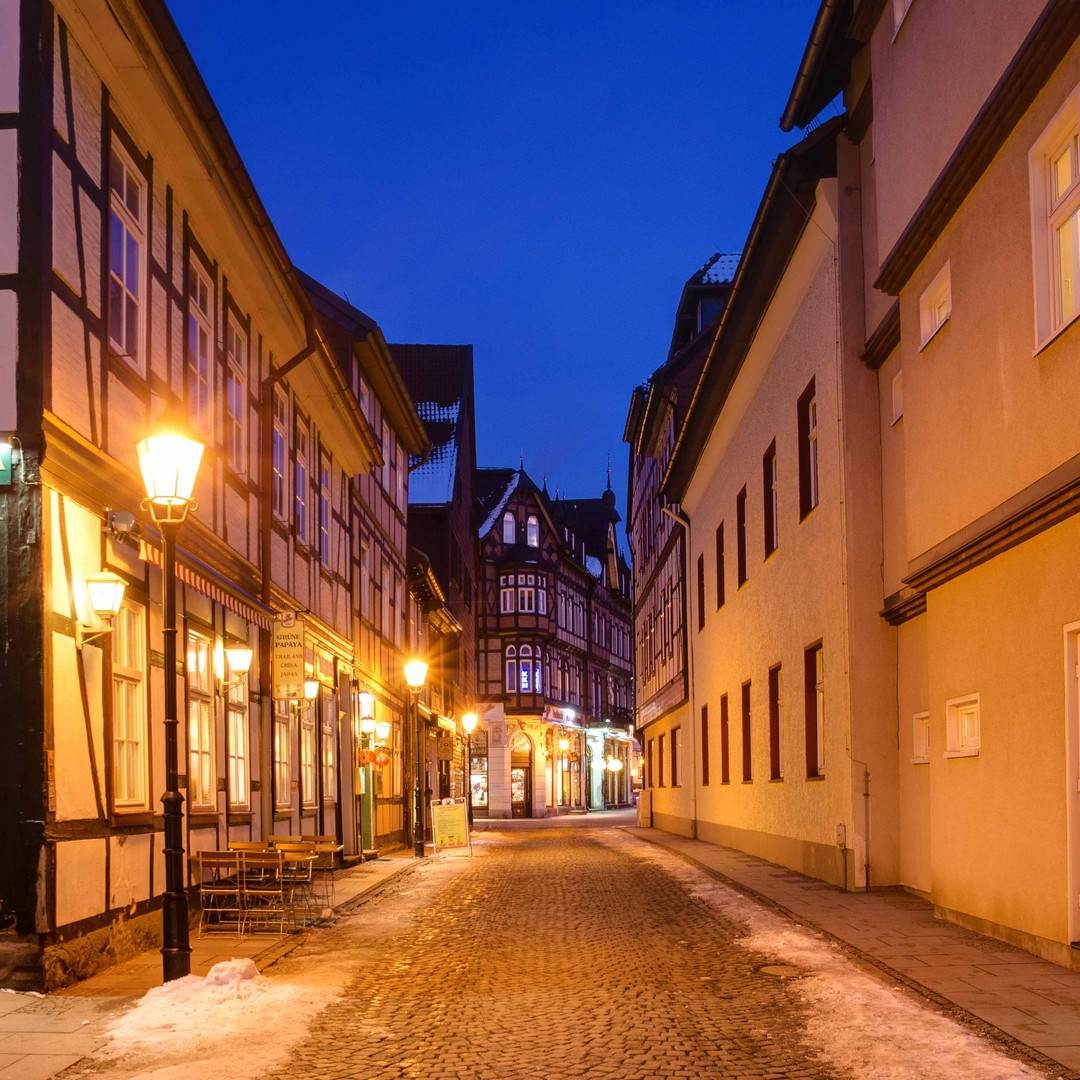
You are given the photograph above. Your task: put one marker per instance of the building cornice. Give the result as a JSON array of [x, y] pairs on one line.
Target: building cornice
[[1054, 33], [884, 339], [1050, 500]]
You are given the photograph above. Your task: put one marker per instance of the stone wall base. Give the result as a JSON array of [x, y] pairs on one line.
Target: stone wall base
[[67, 962], [21, 965], [826, 862], [1057, 952]]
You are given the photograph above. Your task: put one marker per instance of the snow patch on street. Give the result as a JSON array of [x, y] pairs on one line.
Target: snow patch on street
[[176, 1030], [855, 1022]]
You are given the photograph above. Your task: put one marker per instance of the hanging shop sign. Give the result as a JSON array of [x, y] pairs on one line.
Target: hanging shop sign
[[444, 749], [287, 657], [5, 464]]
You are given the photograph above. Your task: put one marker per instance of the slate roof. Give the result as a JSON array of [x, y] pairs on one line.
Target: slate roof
[[589, 519], [493, 490], [436, 377]]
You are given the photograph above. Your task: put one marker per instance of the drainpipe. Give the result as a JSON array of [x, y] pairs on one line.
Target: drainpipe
[[683, 519]]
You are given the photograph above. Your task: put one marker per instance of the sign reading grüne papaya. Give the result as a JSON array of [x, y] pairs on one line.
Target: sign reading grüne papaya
[[287, 657]]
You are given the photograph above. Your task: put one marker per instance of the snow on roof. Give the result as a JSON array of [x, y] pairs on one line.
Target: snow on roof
[[433, 482], [490, 520], [594, 566]]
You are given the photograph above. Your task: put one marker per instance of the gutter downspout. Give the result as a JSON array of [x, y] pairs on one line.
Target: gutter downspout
[[683, 519]]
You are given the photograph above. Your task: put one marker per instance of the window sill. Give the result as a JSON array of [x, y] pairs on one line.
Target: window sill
[[937, 330], [1048, 341], [921, 760], [809, 513], [815, 779], [748, 781], [776, 779], [973, 752]]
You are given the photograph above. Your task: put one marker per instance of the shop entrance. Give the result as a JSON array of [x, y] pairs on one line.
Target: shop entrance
[[521, 776]]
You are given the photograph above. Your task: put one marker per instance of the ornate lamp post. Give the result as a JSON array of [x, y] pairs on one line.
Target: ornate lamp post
[[169, 464], [415, 675], [468, 722]]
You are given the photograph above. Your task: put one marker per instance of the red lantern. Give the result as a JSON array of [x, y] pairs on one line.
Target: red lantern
[[382, 760], [366, 757]]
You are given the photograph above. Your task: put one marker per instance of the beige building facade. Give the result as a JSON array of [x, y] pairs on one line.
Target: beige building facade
[[932, 298]]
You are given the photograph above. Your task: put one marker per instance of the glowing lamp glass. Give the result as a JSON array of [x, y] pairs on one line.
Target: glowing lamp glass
[[239, 657], [564, 744], [311, 689], [367, 706], [106, 594], [382, 730], [367, 725], [599, 763], [169, 465], [468, 722], [416, 674], [614, 765]]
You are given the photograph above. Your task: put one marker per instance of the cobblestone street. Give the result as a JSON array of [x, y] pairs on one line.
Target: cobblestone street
[[552, 955], [559, 951]]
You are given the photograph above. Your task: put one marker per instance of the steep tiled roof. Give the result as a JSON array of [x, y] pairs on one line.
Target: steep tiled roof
[[436, 377], [493, 490]]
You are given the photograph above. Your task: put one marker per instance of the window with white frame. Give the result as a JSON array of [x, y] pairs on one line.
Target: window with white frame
[[282, 730], [532, 531], [541, 594], [935, 306], [1054, 166], [236, 355], [129, 707], [200, 353], [307, 754], [365, 580], [509, 528], [525, 669], [325, 502], [279, 453], [239, 749], [507, 593], [897, 396], [920, 738], [127, 258], [526, 593], [511, 669], [300, 494], [363, 393], [329, 762], [962, 726], [202, 792]]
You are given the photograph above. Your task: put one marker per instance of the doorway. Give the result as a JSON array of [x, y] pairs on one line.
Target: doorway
[[521, 795]]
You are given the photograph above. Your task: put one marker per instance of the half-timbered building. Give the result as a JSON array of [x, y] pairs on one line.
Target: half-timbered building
[[554, 653], [140, 275], [377, 621]]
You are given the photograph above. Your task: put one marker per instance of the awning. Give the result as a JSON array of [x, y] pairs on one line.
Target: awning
[[218, 590]]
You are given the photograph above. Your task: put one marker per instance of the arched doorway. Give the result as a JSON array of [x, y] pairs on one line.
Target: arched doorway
[[521, 773]]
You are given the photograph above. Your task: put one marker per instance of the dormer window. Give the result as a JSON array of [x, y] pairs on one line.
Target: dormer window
[[532, 531], [509, 528]]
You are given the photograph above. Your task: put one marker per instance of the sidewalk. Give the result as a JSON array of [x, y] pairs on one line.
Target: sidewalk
[[1029, 1000], [41, 1036]]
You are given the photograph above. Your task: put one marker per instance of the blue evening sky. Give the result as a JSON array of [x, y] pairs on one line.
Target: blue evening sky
[[537, 180]]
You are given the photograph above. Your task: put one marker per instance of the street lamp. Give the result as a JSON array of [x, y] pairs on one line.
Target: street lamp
[[169, 464], [415, 674], [106, 591], [468, 722]]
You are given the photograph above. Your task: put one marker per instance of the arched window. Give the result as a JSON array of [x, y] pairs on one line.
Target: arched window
[[509, 528], [511, 669], [526, 669], [532, 531]]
